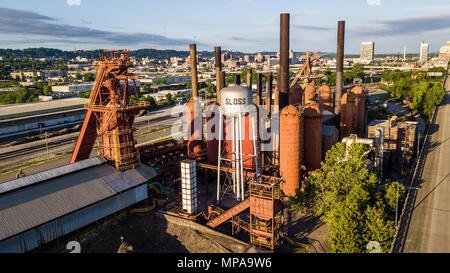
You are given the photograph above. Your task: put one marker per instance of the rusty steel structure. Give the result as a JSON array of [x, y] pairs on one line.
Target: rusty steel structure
[[312, 142], [110, 112], [305, 71], [290, 149], [310, 94], [296, 95], [361, 120], [349, 114], [325, 97]]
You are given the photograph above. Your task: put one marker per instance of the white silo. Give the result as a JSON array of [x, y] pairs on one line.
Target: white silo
[[235, 103]]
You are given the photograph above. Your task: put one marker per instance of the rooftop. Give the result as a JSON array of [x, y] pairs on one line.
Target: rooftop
[[37, 108], [40, 198]]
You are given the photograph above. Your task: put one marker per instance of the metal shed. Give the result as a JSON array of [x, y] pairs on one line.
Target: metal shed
[[37, 209]]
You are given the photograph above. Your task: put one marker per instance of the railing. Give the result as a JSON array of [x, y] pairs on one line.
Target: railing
[[135, 106]]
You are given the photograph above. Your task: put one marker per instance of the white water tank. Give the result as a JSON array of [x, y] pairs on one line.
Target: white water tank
[[235, 99]]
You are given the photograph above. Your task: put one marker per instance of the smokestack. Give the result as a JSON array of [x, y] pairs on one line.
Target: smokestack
[[276, 99], [249, 78], [258, 89], [193, 56], [218, 71], [222, 79], [269, 92], [284, 61], [237, 79], [339, 67]]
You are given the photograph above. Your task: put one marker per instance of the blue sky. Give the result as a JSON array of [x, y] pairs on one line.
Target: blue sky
[[244, 25]]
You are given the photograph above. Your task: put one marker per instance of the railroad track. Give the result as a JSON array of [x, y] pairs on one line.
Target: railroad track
[[140, 125]]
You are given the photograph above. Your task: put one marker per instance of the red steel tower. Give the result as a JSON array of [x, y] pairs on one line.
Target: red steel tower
[[111, 111]]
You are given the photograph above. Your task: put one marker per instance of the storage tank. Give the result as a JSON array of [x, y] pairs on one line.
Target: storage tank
[[349, 114], [234, 106], [290, 149], [309, 94], [296, 95], [312, 136], [325, 97], [194, 133], [362, 96]]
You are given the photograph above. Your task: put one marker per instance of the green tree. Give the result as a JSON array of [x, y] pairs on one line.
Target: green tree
[[347, 196], [89, 77], [48, 90], [211, 90], [144, 88]]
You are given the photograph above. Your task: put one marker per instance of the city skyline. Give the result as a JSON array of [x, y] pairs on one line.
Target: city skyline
[[69, 24]]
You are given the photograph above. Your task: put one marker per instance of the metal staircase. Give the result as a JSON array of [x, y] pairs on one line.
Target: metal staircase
[[229, 213]]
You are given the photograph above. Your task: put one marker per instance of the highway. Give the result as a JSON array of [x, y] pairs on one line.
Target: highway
[[427, 229]]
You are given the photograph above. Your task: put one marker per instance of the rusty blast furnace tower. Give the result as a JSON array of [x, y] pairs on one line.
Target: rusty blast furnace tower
[[110, 114]]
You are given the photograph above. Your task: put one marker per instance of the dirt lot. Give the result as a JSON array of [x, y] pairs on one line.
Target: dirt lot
[[157, 233]]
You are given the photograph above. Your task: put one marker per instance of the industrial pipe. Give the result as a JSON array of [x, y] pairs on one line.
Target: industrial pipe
[[249, 78], [258, 89], [339, 67], [269, 92], [237, 79], [194, 84], [218, 54], [222, 80], [284, 60]]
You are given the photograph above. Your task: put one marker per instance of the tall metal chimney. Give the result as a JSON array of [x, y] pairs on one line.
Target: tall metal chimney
[[193, 57], [249, 78], [222, 79], [284, 60], [276, 99], [218, 54], [258, 89], [339, 67], [269, 92], [237, 79]]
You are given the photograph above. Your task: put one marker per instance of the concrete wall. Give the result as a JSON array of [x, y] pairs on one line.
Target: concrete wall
[[45, 233]]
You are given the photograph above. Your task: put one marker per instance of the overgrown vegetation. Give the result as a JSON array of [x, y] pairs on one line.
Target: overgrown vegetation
[[423, 93], [21, 94], [356, 73], [348, 197]]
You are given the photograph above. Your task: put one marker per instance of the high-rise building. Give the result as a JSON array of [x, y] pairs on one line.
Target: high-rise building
[[444, 52], [367, 52], [423, 52]]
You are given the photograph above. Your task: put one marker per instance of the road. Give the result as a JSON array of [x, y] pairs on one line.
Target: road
[[429, 227]]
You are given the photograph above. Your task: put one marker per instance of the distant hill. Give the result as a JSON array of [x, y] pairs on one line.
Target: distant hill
[[159, 54]]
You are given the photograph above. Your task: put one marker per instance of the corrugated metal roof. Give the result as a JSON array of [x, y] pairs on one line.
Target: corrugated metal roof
[[49, 174], [28, 207], [123, 180], [146, 171]]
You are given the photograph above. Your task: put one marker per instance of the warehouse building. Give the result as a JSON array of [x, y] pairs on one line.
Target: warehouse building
[[40, 208]]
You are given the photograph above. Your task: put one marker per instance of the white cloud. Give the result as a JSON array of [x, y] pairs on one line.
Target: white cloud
[[73, 2], [373, 2]]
